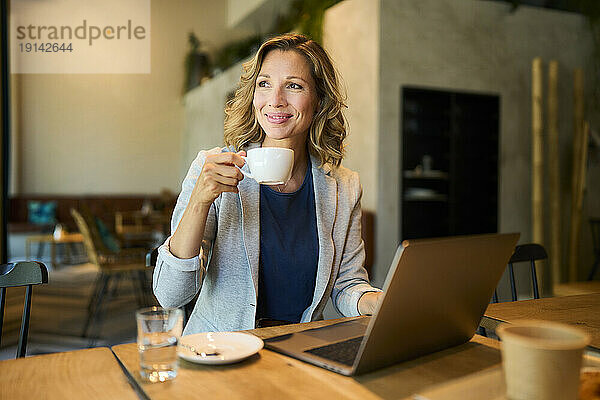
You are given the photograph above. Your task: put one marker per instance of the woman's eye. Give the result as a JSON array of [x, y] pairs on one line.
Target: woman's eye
[[294, 86], [263, 84]]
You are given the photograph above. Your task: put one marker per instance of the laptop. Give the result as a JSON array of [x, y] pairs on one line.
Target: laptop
[[436, 292]]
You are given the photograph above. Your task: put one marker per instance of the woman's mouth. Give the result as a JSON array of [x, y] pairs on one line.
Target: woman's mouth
[[278, 118]]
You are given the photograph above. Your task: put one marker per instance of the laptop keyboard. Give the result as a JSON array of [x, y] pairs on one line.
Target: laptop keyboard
[[343, 352]]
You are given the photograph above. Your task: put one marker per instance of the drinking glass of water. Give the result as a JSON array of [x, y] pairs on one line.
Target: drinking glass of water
[[159, 329]]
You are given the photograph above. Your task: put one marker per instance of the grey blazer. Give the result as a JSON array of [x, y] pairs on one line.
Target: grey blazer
[[226, 270]]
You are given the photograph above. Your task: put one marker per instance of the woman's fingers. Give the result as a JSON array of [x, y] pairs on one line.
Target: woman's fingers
[[219, 174], [225, 180], [227, 158], [228, 171], [225, 174]]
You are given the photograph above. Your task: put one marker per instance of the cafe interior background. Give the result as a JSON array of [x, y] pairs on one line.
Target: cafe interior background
[[440, 115]]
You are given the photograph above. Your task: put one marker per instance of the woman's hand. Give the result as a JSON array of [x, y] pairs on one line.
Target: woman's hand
[[219, 174], [367, 304]]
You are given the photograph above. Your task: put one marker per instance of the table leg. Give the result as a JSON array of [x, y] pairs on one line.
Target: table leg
[[53, 254], [40, 251], [67, 255]]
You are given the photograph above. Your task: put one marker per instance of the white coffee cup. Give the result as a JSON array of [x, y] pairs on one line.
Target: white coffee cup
[[541, 359], [269, 165]]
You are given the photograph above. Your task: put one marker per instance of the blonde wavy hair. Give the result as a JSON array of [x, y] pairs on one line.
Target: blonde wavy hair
[[327, 130]]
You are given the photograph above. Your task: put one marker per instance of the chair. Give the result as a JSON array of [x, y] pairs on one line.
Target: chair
[[19, 274], [531, 253], [113, 266], [595, 225], [151, 258]]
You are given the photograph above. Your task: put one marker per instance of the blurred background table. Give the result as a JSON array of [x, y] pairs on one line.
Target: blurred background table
[[67, 239], [140, 227]]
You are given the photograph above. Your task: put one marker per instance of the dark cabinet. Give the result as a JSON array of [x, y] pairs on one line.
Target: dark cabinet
[[449, 164]]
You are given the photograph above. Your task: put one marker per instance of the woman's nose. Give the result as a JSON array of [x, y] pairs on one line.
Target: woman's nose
[[277, 98]]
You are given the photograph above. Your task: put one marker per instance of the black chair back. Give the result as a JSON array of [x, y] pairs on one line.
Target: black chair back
[[151, 257], [530, 253], [21, 274]]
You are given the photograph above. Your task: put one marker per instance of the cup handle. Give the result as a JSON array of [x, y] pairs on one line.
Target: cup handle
[[248, 174]]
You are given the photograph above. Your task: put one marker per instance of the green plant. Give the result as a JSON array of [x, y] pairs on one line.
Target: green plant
[[306, 16], [236, 51], [197, 64]]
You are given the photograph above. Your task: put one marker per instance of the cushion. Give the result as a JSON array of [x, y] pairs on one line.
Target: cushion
[[107, 238], [41, 213]]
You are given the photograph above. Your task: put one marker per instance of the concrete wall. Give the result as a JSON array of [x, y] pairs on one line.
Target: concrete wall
[[113, 133], [239, 9], [464, 45]]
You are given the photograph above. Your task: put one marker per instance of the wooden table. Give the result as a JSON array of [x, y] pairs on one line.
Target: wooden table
[[582, 311], [66, 238], [82, 374], [137, 222], [576, 288], [272, 375]]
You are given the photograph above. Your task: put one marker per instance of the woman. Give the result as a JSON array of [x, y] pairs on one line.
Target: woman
[[263, 255]]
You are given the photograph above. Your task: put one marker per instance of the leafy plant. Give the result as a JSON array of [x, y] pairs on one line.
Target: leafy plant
[[306, 17], [197, 64], [236, 51]]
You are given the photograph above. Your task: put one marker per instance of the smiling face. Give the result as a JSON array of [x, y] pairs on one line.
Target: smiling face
[[285, 97]]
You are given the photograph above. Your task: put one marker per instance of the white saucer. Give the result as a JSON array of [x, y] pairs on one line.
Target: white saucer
[[230, 346]]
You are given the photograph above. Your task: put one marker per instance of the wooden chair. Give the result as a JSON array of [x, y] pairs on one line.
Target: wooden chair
[[530, 253], [113, 267], [21, 274]]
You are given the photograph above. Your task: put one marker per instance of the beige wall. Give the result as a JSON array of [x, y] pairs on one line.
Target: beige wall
[[112, 133], [350, 31]]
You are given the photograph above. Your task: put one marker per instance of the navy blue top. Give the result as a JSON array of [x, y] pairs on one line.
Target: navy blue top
[[289, 251]]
